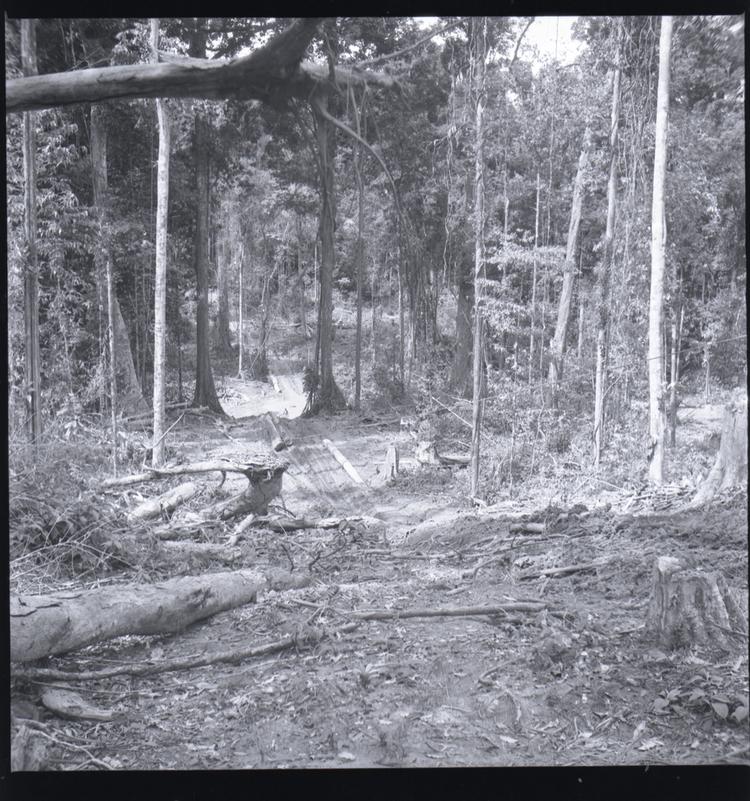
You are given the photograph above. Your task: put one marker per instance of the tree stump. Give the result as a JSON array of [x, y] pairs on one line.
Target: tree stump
[[690, 606], [390, 469], [427, 452], [730, 467]]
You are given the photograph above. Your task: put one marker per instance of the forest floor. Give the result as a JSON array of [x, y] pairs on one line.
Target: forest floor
[[577, 683]]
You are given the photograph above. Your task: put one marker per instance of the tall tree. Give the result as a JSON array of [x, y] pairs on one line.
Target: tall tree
[[658, 247], [33, 376], [557, 346], [205, 390], [479, 51], [160, 279], [606, 266]]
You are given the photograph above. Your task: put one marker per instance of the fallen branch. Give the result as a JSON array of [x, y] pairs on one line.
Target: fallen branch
[[535, 528], [185, 663], [560, 571], [208, 550], [465, 611]]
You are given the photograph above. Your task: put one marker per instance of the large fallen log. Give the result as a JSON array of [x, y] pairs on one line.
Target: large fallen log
[[44, 625]]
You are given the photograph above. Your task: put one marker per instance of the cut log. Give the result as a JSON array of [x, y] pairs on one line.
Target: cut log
[[68, 704], [730, 468], [390, 468], [44, 625], [278, 443], [163, 504], [689, 606], [343, 461]]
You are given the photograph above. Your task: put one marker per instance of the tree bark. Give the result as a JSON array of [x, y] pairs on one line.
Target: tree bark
[[32, 372], [606, 269], [45, 625], [160, 279], [205, 391], [533, 280], [658, 246], [476, 416], [557, 346]]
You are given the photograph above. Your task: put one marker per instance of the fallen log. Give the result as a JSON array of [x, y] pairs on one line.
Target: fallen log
[[164, 503], [44, 625], [535, 528], [689, 606], [343, 461], [255, 468], [205, 550]]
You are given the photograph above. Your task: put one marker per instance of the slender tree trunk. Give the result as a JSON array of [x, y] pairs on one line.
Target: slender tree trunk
[[533, 280], [461, 372], [401, 320], [205, 391], [606, 269], [32, 372], [301, 280], [479, 41], [581, 313], [160, 280], [658, 246], [241, 307], [223, 335], [360, 255], [674, 375], [557, 345]]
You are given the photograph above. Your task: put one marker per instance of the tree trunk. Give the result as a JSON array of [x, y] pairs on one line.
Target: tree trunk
[[160, 279], [328, 396], [130, 398], [533, 281], [476, 414], [606, 269], [730, 468], [205, 391], [461, 370], [674, 373], [557, 346], [658, 246], [241, 308], [223, 336], [45, 625], [32, 371], [360, 255]]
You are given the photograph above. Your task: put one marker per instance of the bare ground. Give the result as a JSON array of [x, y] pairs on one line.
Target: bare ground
[[578, 683]]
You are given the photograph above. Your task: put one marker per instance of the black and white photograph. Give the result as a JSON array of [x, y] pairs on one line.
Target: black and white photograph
[[377, 392]]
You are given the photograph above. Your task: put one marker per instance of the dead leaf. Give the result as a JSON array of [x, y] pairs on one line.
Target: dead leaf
[[722, 710], [647, 745], [740, 714], [346, 756]]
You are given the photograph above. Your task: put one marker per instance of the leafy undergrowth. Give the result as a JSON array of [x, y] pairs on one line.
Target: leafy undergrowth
[[577, 683]]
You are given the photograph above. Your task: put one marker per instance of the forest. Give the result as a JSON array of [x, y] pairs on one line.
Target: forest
[[392, 366]]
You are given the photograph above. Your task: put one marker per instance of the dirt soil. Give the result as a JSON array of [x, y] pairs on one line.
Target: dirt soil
[[577, 683]]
